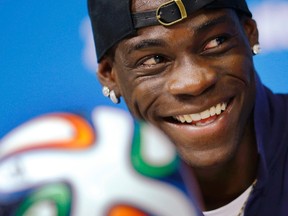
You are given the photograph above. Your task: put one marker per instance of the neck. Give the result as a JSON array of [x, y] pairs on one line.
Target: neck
[[223, 183]]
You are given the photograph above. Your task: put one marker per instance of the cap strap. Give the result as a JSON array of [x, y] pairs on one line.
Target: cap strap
[[168, 13]]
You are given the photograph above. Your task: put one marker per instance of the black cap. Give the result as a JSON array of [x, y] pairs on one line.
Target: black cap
[[112, 20]]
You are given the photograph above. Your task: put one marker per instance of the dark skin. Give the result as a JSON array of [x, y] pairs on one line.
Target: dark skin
[[187, 68]]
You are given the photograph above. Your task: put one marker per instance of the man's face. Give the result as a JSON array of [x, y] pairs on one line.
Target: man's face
[[193, 80]]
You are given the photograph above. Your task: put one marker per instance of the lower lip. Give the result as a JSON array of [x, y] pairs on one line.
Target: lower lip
[[206, 121]]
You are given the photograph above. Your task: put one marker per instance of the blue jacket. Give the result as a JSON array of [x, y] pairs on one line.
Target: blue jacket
[[270, 196]]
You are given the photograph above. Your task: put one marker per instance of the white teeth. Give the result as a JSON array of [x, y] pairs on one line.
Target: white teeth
[[212, 111], [223, 106], [218, 109], [196, 117], [188, 118], [182, 119], [205, 114]]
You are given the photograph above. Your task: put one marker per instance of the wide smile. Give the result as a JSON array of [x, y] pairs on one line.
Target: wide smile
[[204, 117]]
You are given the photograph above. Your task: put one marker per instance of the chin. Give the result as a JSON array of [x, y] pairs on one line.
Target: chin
[[202, 159]]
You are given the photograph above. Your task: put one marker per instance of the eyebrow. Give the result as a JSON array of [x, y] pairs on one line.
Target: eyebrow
[[210, 23], [147, 43]]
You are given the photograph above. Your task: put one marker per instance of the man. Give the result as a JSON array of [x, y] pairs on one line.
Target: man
[[187, 68]]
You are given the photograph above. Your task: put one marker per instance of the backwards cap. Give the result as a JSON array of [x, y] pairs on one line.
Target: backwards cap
[[113, 20]]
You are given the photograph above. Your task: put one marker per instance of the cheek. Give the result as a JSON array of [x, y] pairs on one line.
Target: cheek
[[145, 98], [240, 68], [246, 73], [140, 95], [242, 72]]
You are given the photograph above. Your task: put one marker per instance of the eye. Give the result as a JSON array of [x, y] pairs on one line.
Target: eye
[[215, 43], [154, 60]]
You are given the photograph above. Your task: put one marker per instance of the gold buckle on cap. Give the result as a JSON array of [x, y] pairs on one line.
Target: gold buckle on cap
[[181, 8]]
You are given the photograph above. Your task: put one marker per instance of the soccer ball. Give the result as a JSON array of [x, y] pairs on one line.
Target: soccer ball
[[59, 164]]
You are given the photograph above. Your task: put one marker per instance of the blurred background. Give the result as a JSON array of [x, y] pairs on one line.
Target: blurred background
[[47, 58]]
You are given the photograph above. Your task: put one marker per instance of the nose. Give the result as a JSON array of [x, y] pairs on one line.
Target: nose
[[191, 77]]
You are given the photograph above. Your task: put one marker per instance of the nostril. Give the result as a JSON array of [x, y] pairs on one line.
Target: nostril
[[194, 84]]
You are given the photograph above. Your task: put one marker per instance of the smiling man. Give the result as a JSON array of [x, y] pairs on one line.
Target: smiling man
[[187, 68]]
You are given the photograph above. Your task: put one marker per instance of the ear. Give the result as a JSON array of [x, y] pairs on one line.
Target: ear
[[251, 30], [107, 75]]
